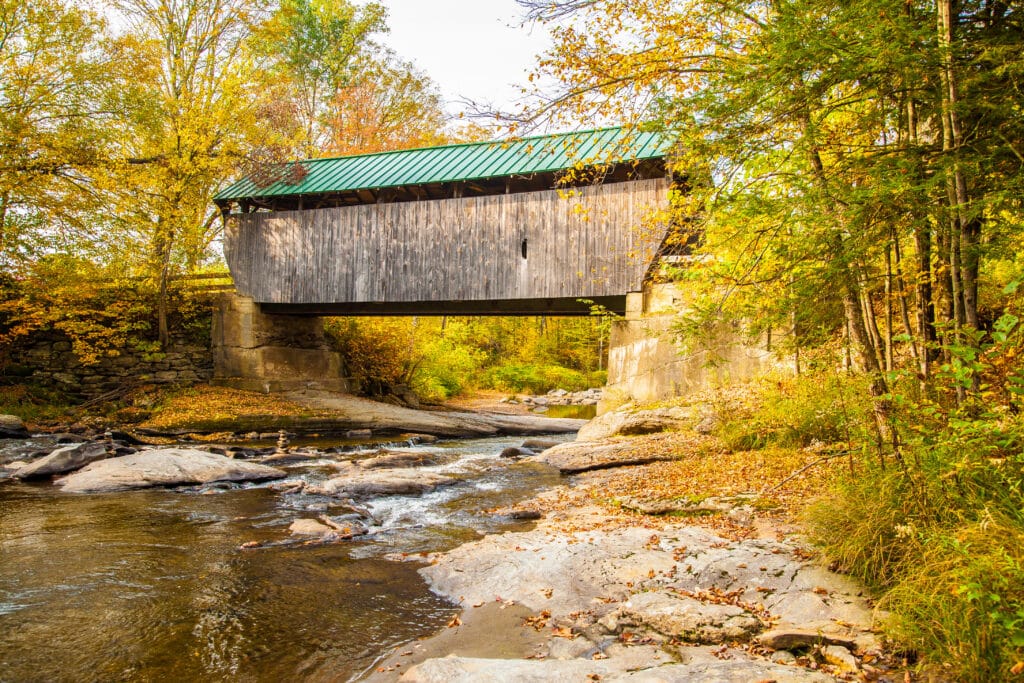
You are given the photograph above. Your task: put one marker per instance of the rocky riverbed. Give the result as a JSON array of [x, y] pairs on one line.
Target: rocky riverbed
[[655, 586], [668, 590]]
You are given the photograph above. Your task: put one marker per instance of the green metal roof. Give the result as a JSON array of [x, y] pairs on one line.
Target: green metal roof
[[452, 163]]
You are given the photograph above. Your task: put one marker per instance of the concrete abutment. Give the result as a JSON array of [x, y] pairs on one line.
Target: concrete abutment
[[646, 362], [257, 351]]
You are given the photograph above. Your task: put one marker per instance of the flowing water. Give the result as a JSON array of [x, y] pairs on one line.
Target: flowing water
[[152, 585]]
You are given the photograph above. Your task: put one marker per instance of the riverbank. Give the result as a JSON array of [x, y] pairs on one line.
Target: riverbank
[[689, 567], [204, 412]]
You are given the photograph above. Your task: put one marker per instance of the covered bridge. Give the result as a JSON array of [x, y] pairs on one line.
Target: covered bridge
[[530, 226]]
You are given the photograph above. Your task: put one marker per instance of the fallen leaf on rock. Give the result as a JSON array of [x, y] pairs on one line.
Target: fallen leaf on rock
[[539, 621], [599, 655], [563, 632], [547, 592], [454, 621]]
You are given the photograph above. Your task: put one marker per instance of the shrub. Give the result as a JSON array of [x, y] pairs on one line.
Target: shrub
[[797, 411], [534, 378], [941, 534]]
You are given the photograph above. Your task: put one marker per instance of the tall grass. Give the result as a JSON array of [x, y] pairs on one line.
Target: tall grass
[[937, 528]]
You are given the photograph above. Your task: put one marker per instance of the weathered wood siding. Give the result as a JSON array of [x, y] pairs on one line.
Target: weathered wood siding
[[597, 243]]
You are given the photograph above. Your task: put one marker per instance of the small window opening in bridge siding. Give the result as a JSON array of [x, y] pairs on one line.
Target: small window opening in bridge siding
[[524, 248]]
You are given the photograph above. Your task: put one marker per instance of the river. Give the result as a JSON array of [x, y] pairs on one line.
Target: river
[[153, 586]]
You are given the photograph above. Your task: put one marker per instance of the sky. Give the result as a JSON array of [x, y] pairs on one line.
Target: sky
[[473, 49]]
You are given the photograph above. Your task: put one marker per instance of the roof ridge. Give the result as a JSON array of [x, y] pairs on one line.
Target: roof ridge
[[499, 141]]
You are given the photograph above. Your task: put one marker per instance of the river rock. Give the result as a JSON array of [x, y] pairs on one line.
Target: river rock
[[538, 445], [516, 452], [66, 438], [840, 657], [289, 458], [309, 527], [358, 481], [688, 619], [583, 456], [126, 438], [629, 423], [163, 467], [420, 438], [65, 459], [11, 427], [398, 459], [799, 638]]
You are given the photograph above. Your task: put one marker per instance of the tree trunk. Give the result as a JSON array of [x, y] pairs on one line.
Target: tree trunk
[[968, 235], [888, 308], [925, 310], [902, 298]]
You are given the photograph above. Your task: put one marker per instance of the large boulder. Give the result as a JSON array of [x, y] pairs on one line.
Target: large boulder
[[11, 427], [582, 456], [630, 423], [354, 480], [65, 459], [163, 467]]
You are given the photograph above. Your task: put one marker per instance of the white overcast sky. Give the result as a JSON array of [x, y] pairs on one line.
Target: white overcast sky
[[473, 49]]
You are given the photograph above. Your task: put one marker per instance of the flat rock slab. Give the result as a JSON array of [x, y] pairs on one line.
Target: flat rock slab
[[358, 481], [561, 573], [598, 571], [798, 638], [359, 413], [688, 619], [65, 459], [163, 467], [628, 423], [703, 667], [584, 456]]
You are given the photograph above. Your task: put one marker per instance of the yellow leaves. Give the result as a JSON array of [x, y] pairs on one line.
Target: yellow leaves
[[454, 622], [204, 405], [538, 622]]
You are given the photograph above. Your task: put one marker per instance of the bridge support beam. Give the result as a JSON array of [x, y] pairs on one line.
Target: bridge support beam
[[256, 351], [646, 363]]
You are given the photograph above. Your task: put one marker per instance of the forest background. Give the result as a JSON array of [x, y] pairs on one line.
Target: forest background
[[853, 180]]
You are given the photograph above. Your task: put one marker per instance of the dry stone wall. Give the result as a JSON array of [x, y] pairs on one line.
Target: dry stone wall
[[48, 359]]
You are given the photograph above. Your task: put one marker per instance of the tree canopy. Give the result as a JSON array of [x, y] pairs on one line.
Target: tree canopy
[[118, 126], [851, 166]]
